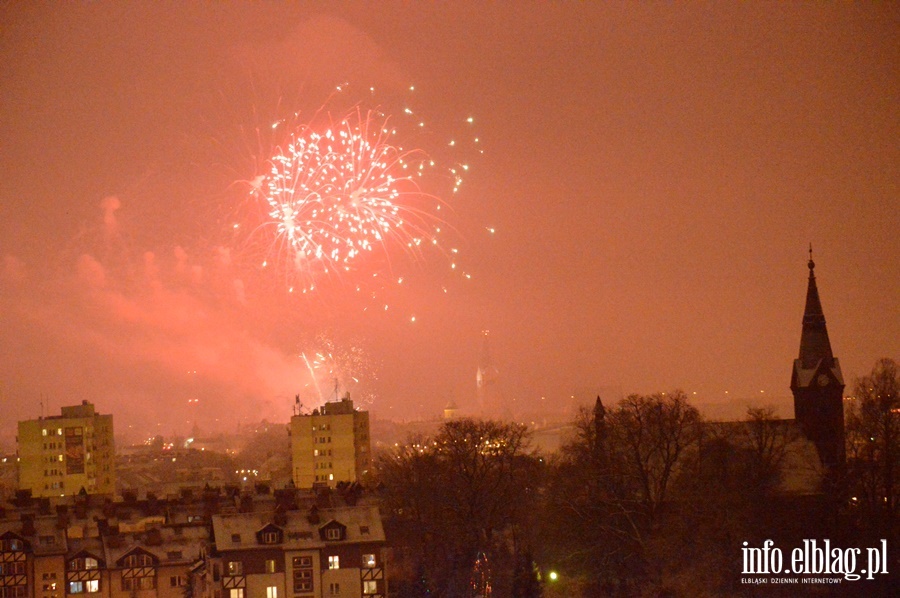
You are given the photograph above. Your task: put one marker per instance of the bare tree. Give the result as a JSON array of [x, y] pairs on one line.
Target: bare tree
[[653, 432], [466, 492], [873, 440], [767, 438]]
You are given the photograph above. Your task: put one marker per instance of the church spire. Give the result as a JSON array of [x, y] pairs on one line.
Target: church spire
[[817, 383], [814, 344]]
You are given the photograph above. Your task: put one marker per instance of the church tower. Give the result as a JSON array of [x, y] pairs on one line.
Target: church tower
[[817, 383], [486, 376]]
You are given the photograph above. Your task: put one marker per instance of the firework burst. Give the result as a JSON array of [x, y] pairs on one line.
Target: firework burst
[[335, 370], [338, 195], [343, 199]]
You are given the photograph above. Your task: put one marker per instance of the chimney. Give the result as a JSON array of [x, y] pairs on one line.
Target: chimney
[[28, 524]]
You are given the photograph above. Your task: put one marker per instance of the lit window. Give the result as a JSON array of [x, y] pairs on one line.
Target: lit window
[[368, 561], [84, 564], [270, 566], [44, 432], [82, 587], [236, 593], [370, 587], [334, 562], [235, 568], [272, 592]]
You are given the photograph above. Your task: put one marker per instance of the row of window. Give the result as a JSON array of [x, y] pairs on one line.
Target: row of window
[[16, 568], [322, 453], [11, 545], [236, 568], [92, 586], [334, 589]]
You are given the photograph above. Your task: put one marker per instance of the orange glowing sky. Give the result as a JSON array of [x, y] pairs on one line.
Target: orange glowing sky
[[654, 174]]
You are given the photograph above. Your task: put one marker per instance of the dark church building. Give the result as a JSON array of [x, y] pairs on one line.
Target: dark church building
[[818, 385]]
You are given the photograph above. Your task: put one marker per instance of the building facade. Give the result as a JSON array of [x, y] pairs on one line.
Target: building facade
[[320, 552], [221, 544], [66, 454], [331, 445], [109, 550]]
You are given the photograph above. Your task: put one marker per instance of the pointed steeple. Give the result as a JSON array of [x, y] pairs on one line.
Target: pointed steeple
[[814, 344], [817, 383]]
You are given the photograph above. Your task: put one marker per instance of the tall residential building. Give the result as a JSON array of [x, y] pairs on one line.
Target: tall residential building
[[817, 383], [65, 454], [330, 445]]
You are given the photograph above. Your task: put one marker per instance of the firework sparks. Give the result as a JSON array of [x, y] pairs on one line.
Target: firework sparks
[[335, 370], [347, 192], [352, 202]]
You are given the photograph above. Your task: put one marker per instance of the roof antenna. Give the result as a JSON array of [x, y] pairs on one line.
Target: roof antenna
[[811, 264]]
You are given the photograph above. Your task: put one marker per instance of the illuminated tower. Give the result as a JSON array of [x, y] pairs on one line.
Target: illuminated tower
[[330, 445], [817, 383], [486, 380], [63, 454]]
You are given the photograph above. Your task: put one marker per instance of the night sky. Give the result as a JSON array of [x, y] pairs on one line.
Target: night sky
[[653, 173]]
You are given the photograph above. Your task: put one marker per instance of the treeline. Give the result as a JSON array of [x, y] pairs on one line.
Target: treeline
[[646, 499]]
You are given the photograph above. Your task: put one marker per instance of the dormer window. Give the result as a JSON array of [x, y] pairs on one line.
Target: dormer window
[[11, 545], [333, 531], [137, 560], [83, 564], [270, 534]]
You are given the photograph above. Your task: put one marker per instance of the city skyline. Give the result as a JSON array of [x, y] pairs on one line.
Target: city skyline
[[639, 219]]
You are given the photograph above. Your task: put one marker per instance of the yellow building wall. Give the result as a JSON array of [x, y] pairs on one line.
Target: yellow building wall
[[58, 456]]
